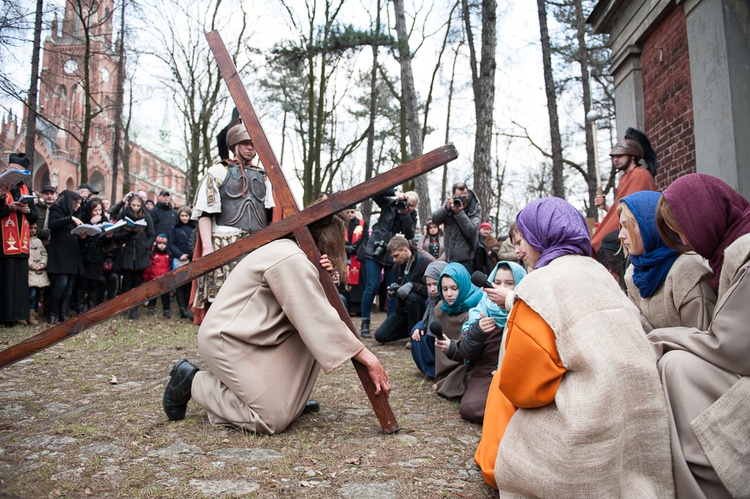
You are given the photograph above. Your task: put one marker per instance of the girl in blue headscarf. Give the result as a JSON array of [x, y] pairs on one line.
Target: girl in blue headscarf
[[479, 344], [669, 288], [423, 345], [458, 295]]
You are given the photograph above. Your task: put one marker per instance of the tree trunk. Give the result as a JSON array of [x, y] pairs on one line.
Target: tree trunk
[[583, 60], [483, 84], [119, 102], [558, 185], [31, 111], [370, 159], [410, 107]]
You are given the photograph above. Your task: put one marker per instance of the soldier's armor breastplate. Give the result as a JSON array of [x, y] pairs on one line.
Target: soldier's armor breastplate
[[248, 212]]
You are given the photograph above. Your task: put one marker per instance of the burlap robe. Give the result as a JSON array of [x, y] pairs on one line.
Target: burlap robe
[[684, 299], [607, 433]]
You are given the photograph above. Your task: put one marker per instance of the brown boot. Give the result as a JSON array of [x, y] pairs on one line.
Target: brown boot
[[33, 319]]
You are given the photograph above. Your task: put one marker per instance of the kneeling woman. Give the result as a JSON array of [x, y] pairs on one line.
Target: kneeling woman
[[266, 336], [705, 371], [575, 409], [479, 344], [458, 295], [669, 288]]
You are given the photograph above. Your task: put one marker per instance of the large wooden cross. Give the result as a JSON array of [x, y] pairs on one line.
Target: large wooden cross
[[294, 222]]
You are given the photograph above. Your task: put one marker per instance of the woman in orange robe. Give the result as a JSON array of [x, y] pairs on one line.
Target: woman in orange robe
[[575, 409]]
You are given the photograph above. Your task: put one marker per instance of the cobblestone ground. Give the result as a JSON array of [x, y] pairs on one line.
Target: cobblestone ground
[[84, 419]]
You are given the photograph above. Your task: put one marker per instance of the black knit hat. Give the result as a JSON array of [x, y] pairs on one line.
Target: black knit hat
[[19, 158]]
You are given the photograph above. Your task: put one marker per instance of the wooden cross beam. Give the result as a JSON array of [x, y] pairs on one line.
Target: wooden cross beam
[[294, 221], [289, 206]]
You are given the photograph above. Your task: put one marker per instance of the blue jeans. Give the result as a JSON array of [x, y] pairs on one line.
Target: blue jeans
[[373, 272]]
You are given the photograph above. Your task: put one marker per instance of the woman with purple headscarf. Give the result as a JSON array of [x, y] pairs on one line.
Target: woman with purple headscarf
[[706, 371], [575, 409]]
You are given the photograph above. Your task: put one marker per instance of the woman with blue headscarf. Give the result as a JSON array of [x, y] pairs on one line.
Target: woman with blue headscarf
[[479, 344], [575, 407], [458, 295], [669, 288]]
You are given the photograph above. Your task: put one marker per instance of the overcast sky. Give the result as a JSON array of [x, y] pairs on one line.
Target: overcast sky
[[519, 88]]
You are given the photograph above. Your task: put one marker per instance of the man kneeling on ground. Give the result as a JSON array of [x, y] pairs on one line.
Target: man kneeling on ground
[[408, 286]]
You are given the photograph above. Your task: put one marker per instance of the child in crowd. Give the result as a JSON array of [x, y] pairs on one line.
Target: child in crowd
[[38, 279], [479, 344], [181, 252], [161, 263], [423, 346], [458, 296]]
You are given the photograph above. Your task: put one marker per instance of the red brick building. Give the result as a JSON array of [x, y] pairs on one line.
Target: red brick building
[[61, 103], [682, 75]]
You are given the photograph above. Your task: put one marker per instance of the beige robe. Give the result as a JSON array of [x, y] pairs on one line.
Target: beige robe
[[705, 377], [38, 254], [607, 433], [686, 297], [265, 338]]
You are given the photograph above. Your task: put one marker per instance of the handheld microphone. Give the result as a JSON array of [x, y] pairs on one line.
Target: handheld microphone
[[436, 329], [479, 280]]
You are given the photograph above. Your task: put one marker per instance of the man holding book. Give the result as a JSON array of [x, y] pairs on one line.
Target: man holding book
[[17, 212]]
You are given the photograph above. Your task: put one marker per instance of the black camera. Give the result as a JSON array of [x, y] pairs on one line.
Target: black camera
[[457, 201], [392, 289], [379, 248], [401, 204]]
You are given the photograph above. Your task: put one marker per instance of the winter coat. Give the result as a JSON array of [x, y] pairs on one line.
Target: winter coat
[[63, 252], [164, 217], [38, 255], [460, 229], [161, 263], [137, 243], [179, 239], [389, 224]]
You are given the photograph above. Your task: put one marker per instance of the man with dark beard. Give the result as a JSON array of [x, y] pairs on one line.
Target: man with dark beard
[[626, 155]]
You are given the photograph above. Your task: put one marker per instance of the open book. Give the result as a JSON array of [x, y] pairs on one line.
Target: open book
[[26, 198], [12, 176], [94, 229], [88, 229], [139, 223]]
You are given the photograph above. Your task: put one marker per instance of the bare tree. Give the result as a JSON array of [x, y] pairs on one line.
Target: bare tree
[[410, 104], [119, 102], [558, 186], [304, 79], [31, 101], [196, 84], [589, 54], [483, 84]]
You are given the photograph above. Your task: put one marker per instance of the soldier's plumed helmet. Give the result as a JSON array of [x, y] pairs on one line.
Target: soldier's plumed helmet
[[629, 147], [237, 134]]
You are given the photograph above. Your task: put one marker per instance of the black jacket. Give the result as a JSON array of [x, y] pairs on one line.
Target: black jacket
[[179, 239], [389, 224], [137, 243], [415, 275], [164, 217], [63, 252]]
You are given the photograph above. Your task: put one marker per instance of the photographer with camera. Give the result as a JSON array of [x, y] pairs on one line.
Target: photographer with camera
[[460, 217], [408, 289], [397, 216]]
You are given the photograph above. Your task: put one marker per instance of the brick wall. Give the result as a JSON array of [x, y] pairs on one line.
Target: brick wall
[[668, 99]]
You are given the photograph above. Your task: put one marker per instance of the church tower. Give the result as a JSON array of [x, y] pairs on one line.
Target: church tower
[[71, 66], [80, 65]]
